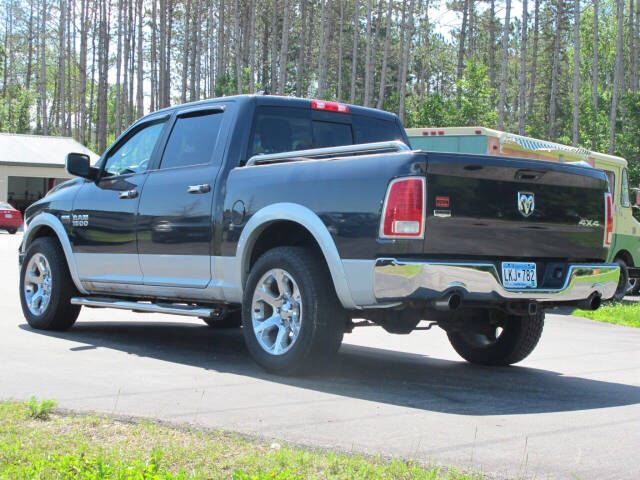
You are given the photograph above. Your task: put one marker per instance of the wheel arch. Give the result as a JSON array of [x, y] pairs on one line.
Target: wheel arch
[[626, 256], [47, 225], [300, 219]]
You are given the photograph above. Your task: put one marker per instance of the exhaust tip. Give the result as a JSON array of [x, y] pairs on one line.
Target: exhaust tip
[[449, 301]]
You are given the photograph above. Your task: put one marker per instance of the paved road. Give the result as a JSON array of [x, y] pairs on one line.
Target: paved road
[[571, 410]]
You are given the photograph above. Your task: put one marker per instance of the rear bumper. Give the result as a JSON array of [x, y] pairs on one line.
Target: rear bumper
[[397, 280], [10, 223]]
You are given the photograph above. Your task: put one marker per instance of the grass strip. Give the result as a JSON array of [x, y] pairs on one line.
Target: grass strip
[[73, 447], [624, 313]]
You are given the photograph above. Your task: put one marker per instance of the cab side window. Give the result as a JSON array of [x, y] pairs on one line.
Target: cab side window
[[134, 154], [624, 189], [192, 140]]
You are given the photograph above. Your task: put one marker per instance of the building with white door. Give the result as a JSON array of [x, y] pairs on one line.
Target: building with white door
[[30, 165]]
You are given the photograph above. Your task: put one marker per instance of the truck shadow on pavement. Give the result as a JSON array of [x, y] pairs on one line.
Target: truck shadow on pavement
[[372, 374]]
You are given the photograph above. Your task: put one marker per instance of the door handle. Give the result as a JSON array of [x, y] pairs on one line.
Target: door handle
[[203, 188], [128, 194]]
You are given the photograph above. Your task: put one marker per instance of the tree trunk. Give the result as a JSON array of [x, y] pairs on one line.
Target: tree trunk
[[339, 95], [185, 53], [103, 71], [301, 57], [523, 71], [284, 48], [576, 71], [118, 100], [237, 35], [367, 56], [534, 60], [139, 72], [554, 75], [385, 55], [594, 73], [374, 50], [82, 71], [30, 54], [252, 46], [354, 57], [461, 43], [405, 60], [617, 75], [492, 49], [503, 66], [274, 46], [61, 111]]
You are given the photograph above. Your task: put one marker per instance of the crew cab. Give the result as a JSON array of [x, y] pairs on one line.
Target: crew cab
[[302, 219]]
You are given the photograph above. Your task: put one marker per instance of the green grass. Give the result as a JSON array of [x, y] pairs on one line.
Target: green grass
[[39, 409], [625, 313], [74, 447]]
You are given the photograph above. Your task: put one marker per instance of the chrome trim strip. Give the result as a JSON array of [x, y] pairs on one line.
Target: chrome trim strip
[[327, 151], [396, 279], [171, 309]]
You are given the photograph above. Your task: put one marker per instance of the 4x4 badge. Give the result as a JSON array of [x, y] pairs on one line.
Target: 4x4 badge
[[526, 203]]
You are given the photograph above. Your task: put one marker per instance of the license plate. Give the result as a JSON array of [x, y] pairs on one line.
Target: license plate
[[8, 215], [519, 275]]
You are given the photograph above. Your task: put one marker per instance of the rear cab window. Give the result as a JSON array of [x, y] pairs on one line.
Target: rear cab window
[[284, 129]]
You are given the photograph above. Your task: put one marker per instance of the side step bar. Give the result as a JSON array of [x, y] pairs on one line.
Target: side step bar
[[169, 308]]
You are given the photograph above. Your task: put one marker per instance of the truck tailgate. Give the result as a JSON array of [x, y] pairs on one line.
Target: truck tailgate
[[513, 208]]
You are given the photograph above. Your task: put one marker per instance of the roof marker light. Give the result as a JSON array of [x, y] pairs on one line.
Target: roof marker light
[[329, 106]]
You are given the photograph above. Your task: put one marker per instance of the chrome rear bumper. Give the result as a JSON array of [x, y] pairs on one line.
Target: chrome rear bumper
[[395, 280]]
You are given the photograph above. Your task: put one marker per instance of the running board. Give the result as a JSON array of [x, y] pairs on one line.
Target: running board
[[169, 308]]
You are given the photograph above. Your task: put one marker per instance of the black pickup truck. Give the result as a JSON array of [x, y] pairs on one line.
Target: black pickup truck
[[301, 219]]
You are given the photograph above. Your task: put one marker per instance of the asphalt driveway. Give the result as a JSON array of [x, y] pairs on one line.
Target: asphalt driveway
[[571, 410]]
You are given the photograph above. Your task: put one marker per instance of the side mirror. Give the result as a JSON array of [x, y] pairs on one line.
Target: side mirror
[[79, 165]]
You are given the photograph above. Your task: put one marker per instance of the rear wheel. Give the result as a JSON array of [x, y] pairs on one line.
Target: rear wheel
[[624, 286], [12, 230], [292, 319], [498, 338], [46, 287]]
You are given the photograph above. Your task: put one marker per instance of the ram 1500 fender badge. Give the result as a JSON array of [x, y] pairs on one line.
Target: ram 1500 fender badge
[[80, 220], [526, 203], [585, 222]]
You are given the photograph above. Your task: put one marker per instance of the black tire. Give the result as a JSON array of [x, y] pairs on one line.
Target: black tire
[[323, 319], [58, 314], [229, 320], [623, 284], [636, 287], [519, 337], [12, 231]]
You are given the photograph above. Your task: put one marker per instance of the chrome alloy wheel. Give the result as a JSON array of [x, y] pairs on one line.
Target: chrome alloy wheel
[[276, 311], [37, 284]]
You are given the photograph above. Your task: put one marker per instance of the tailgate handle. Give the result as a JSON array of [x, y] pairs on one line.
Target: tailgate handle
[[529, 175]]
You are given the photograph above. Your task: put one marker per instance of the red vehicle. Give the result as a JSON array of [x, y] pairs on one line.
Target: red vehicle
[[10, 218]]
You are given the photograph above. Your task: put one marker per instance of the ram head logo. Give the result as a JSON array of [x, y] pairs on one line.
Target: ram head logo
[[526, 203]]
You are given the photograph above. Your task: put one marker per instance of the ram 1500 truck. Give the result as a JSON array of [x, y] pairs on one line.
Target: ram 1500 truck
[[301, 219]]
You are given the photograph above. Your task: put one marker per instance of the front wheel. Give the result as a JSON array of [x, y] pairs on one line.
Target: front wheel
[[46, 287], [498, 338], [12, 231], [292, 319]]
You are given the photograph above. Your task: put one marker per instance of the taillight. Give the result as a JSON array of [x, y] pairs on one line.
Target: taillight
[[329, 106], [403, 211], [608, 219]]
